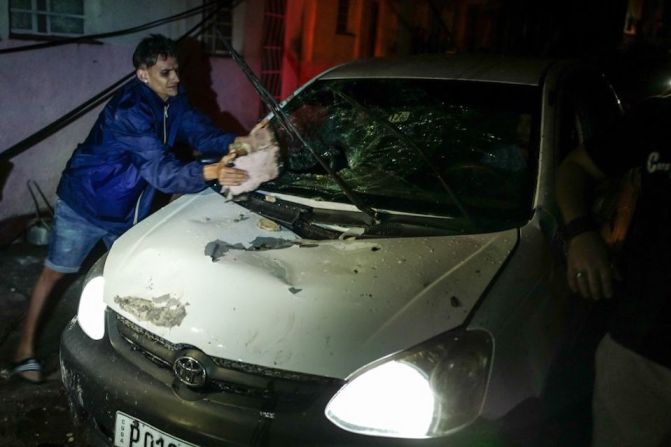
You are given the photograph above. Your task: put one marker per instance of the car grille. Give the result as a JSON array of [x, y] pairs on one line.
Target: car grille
[[239, 378]]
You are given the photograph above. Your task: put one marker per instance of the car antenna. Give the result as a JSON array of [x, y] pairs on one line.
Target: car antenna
[[270, 102]]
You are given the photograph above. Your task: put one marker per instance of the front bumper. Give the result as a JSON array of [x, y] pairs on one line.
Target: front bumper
[[106, 376]]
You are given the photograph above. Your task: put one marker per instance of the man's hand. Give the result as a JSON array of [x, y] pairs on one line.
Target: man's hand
[[258, 154], [227, 175], [224, 172], [590, 272], [230, 176]]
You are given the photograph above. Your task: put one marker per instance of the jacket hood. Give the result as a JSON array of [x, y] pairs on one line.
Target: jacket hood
[[211, 274]]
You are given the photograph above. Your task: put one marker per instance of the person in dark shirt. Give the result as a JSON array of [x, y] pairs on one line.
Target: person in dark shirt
[[632, 391], [110, 180]]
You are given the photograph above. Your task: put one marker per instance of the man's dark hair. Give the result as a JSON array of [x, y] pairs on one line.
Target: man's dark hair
[[150, 48]]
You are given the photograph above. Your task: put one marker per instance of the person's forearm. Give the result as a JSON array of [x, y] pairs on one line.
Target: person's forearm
[[589, 271], [576, 178], [211, 172], [574, 187]]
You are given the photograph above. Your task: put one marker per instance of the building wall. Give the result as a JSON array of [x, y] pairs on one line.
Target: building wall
[[312, 44], [37, 87]]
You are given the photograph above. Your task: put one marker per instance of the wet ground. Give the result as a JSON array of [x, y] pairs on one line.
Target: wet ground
[[32, 415]]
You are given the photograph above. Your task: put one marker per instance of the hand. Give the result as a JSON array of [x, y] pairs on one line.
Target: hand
[[227, 174], [229, 157], [590, 272]]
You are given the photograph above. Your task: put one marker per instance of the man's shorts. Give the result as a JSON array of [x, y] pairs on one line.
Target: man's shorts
[[72, 239]]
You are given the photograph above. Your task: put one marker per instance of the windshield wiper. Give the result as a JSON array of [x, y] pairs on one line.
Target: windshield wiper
[[284, 120], [302, 219], [408, 142]]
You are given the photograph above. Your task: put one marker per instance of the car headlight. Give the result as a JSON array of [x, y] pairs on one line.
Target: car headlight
[[91, 312], [428, 391]]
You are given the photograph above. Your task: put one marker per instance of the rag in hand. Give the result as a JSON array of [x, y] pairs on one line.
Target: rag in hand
[[259, 155]]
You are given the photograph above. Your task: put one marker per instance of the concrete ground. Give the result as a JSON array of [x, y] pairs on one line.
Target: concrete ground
[[32, 415]]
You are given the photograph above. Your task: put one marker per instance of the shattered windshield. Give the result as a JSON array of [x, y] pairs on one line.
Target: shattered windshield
[[399, 143]]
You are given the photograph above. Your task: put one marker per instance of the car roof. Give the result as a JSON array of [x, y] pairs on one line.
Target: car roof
[[483, 68]]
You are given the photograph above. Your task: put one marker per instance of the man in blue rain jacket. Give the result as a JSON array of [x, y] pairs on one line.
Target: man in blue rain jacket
[[110, 180], [112, 177]]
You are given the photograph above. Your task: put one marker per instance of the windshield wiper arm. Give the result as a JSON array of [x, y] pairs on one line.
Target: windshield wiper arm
[[289, 126], [408, 142]]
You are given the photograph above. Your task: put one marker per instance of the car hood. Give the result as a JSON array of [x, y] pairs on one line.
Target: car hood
[[209, 273]]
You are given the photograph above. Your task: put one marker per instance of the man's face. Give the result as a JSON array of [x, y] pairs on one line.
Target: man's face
[[161, 77]]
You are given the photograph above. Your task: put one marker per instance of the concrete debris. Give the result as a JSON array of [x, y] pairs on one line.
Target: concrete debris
[[163, 311]]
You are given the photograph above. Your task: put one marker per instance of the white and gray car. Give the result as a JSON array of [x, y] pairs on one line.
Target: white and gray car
[[400, 283]]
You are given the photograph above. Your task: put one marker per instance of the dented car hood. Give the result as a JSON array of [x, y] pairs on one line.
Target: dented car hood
[[209, 273]]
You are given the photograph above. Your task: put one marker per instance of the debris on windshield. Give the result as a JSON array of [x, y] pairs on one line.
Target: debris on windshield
[[418, 146]]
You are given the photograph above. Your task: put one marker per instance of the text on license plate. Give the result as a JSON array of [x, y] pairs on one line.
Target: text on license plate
[[132, 432]]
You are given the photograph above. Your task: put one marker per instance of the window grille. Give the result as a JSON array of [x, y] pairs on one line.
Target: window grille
[[223, 20], [47, 17], [343, 17], [273, 44]]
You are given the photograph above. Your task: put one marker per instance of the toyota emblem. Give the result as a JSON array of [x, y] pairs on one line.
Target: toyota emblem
[[190, 371]]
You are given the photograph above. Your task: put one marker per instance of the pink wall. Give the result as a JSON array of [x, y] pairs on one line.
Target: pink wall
[[37, 88]]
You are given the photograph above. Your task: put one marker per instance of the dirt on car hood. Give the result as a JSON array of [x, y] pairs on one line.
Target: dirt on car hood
[[211, 274]]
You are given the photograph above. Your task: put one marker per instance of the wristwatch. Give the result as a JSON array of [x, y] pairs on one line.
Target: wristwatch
[[578, 226]]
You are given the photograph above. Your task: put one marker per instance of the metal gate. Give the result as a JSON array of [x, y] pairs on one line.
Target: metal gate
[[273, 45]]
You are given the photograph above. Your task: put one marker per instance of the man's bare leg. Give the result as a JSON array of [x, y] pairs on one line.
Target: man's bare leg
[[43, 288]]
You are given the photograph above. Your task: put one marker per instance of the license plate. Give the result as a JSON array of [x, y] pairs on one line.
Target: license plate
[[132, 432]]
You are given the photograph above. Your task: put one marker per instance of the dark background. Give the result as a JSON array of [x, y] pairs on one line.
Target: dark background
[[628, 39]]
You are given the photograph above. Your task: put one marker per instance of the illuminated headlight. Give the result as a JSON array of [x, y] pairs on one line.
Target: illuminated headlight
[[428, 391], [91, 312]]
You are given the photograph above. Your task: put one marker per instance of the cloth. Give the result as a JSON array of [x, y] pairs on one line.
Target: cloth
[[72, 239], [261, 166], [258, 155], [113, 175], [259, 138], [632, 399], [642, 315]]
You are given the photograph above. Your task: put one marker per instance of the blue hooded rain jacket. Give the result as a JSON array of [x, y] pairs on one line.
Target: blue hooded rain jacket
[[113, 175]]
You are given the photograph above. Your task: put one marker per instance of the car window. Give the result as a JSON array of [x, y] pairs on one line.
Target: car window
[[397, 142]]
